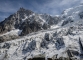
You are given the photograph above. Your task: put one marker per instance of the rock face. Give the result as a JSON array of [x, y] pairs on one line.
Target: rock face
[[27, 21], [14, 21]]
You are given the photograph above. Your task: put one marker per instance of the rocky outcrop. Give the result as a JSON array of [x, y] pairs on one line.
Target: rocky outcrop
[[81, 15], [59, 43]]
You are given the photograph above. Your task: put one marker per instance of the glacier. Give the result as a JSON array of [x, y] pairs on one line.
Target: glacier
[[63, 39]]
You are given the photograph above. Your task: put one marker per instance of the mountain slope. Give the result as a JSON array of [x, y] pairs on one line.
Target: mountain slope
[[26, 22], [42, 35]]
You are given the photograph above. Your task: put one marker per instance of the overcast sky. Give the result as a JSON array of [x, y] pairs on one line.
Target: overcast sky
[[53, 7]]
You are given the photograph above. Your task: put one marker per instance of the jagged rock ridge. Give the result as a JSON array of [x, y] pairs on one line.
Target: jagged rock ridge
[[26, 21]]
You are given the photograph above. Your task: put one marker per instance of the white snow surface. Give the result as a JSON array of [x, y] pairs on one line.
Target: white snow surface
[[26, 17], [30, 46], [12, 32], [73, 13]]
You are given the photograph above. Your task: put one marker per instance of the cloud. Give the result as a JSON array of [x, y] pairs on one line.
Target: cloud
[[57, 6], [9, 6], [52, 7], [44, 6]]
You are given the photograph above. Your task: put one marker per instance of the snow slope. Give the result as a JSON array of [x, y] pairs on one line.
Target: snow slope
[[48, 43], [73, 12], [64, 39]]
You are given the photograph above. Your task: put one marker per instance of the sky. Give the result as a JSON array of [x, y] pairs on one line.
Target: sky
[[52, 7]]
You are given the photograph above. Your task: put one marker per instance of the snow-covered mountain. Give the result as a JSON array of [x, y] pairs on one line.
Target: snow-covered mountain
[[25, 35], [25, 22]]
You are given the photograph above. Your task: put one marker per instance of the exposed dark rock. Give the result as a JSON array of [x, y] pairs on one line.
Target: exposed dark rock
[[49, 58], [36, 59], [81, 15], [53, 20], [69, 31], [61, 58], [21, 12], [1, 39], [47, 36], [44, 44], [45, 26], [69, 53], [68, 20], [55, 34], [75, 52], [81, 46], [28, 28], [31, 46], [59, 43], [6, 45]]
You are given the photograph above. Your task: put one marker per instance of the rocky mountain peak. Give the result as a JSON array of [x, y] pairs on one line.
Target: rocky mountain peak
[[23, 11], [27, 21]]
